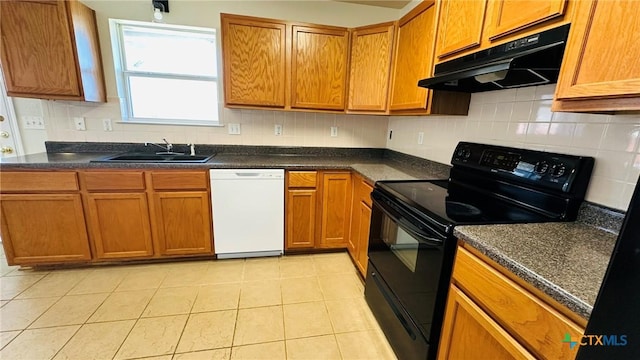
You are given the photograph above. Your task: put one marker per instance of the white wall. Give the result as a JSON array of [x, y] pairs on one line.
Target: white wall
[[523, 118], [299, 129]]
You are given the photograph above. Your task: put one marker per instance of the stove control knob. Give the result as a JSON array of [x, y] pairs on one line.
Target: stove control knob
[[460, 153], [541, 167], [467, 154], [558, 170]]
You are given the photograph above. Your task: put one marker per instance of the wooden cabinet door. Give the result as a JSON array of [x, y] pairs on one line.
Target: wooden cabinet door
[[301, 218], [509, 16], [37, 48], [601, 58], [319, 67], [182, 222], [119, 225], [336, 209], [370, 67], [254, 56], [364, 222], [413, 58], [43, 228], [468, 332], [459, 26]]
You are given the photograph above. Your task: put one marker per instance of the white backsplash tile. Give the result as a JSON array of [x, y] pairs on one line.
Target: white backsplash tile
[[612, 139]]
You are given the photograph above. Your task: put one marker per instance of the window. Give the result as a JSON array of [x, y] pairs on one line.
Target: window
[[165, 74]]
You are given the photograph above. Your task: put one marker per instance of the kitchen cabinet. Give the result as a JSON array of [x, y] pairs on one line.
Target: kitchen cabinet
[[360, 221], [50, 50], [370, 67], [254, 60], [465, 27], [117, 214], [301, 203], [319, 62], [42, 220], [600, 69], [413, 61], [318, 210], [336, 209], [181, 212], [487, 305]]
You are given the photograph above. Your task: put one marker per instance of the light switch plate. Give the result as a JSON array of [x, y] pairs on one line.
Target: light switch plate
[[106, 125], [334, 131], [277, 130], [420, 138], [33, 122]]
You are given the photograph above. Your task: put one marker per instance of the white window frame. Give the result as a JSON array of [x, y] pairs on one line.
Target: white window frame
[[122, 75]]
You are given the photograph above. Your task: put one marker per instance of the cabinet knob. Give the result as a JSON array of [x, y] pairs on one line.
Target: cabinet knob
[[4, 134], [6, 150]]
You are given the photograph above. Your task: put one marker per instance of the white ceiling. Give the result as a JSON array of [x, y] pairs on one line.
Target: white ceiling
[[393, 4]]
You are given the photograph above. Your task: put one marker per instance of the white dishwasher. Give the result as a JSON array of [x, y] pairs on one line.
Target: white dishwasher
[[248, 212]]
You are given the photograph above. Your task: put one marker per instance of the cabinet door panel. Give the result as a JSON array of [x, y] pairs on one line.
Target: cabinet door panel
[[364, 223], [183, 223], [336, 210], [319, 68], [601, 60], [413, 60], [513, 15], [254, 61], [119, 225], [468, 331], [370, 67], [460, 26], [40, 60], [60, 234], [301, 218]]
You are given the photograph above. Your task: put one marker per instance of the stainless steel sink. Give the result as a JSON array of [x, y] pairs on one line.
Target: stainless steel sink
[[154, 158]]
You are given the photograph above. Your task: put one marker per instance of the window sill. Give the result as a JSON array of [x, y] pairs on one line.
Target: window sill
[[171, 123]]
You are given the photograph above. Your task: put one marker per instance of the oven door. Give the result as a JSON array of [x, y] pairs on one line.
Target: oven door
[[413, 262]]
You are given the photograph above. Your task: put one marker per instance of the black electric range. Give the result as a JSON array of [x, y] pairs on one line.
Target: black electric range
[[411, 242]]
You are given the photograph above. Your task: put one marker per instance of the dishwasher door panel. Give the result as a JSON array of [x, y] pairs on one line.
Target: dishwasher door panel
[[248, 212]]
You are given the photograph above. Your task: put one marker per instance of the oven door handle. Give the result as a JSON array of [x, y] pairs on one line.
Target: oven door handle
[[410, 228], [419, 235]]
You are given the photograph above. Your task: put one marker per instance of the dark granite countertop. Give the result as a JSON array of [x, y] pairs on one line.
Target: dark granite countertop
[[372, 167], [566, 261]]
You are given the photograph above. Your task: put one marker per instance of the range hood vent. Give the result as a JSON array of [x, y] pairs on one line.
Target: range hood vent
[[533, 60]]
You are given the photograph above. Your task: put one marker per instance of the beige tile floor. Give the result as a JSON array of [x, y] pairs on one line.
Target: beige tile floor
[[292, 307]]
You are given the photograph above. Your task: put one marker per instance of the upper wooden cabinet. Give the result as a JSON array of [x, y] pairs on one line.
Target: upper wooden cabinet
[[600, 70], [460, 25], [466, 26], [370, 67], [254, 56], [413, 61], [50, 50], [319, 63]]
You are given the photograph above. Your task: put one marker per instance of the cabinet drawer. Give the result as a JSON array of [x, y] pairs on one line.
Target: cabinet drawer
[[38, 181], [534, 323], [178, 180], [113, 180], [303, 179]]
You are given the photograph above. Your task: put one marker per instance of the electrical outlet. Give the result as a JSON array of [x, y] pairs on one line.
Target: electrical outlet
[[106, 125], [420, 138], [79, 123], [277, 130], [334, 131], [234, 129]]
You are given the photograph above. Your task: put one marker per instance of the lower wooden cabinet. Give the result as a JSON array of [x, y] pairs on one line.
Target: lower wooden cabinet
[[301, 218], [183, 223], [119, 225], [469, 333], [336, 209], [43, 228], [360, 222], [492, 316], [318, 209]]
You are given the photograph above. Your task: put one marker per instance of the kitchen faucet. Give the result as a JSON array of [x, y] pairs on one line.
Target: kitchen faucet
[[167, 148]]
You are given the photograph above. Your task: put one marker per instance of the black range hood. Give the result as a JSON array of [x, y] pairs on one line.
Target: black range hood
[[533, 60]]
